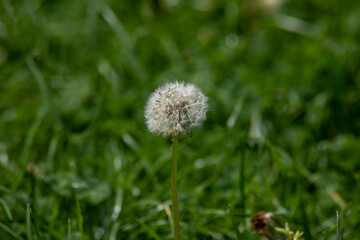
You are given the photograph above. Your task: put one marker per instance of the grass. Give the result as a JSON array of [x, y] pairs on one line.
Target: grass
[[282, 133], [338, 226]]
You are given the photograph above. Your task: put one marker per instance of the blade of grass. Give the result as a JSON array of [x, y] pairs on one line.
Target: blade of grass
[[54, 213], [10, 231], [118, 205], [235, 113], [114, 230], [6, 209], [304, 218], [295, 25], [338, 226], [69, 229], [28, 222], [242, 180], [43, 88], [124, 37], [149, 230], [235, 226], [80, 217], [51, 152], [33, 217], [31, 135], [28, 142], [4, 189]]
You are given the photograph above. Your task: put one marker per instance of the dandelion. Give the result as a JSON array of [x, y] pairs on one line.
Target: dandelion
[[173, 110]]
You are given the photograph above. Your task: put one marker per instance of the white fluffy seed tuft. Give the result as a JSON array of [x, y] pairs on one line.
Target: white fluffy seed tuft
[[174, 108]]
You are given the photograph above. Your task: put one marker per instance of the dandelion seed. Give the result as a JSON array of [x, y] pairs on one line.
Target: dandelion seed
[[175, 108]]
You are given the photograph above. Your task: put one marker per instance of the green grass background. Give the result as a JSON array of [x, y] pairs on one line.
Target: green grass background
[[282, 133]]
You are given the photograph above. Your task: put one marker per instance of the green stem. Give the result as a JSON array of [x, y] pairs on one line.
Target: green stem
[[175, 212], [242, 182]]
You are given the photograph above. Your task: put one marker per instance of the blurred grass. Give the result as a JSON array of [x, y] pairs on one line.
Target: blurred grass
[[282, 133]]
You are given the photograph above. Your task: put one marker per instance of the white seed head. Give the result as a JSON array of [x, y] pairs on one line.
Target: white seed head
[[175, 108]]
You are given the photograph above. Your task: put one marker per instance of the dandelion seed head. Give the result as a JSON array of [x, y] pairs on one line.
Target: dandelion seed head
[[175, 108]]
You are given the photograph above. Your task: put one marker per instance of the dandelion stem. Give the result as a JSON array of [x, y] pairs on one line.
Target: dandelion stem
[[175, 212]]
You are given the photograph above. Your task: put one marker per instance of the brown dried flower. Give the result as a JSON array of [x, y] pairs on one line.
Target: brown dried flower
[[260, 220]]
